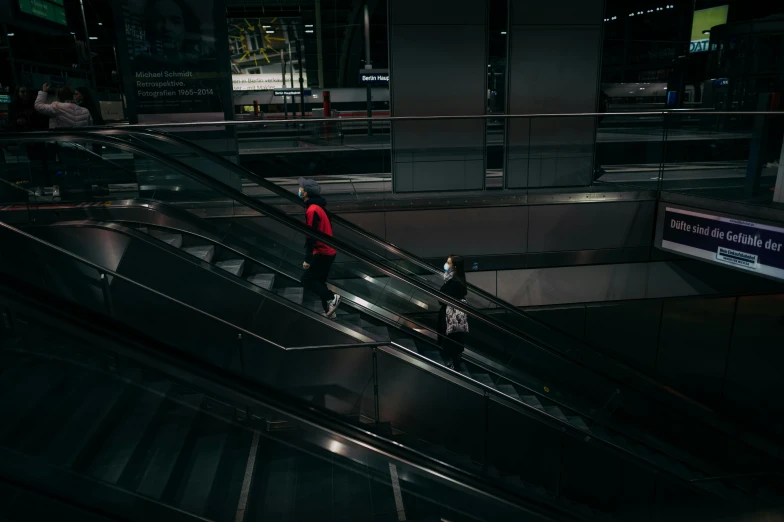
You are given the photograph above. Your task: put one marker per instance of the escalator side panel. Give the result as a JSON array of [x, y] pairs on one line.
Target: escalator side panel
[[430, 407]]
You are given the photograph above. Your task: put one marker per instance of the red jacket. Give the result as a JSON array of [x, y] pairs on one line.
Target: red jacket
[[316, 218]]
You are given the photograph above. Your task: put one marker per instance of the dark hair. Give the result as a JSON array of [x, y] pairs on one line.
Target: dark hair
[[64, 94], [89, 103], [15, 98], [458, 267]]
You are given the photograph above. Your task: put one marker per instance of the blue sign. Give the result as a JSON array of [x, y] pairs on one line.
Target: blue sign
[[749, 246], [721, 82], [5, 98]]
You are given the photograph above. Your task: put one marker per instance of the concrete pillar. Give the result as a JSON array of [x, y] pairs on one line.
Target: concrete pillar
[[554, 67], [438, 67]]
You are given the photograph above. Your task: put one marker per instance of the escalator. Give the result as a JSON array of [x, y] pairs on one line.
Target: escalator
[[213, 263], [101, 422]]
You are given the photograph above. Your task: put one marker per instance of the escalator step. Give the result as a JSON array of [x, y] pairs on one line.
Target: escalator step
[[203, 252], [578, 422], [158, 463], [293, 294], [69, 439], [232, 266], [169, 238], [483, 378], [118, 448], [378, 333], [435, 355], [509, 390], [350, 320], [532, 400], [265, 281], [556, 412], [200, 472]]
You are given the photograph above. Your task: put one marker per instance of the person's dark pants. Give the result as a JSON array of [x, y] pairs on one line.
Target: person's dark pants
[[453, 346], [315, 278]]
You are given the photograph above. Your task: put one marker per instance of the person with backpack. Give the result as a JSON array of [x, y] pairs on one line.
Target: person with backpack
[[453, 323], [318, 256]]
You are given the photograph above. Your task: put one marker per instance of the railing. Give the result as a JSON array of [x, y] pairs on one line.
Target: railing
[[282, 218], [116, 338], [239, 338]]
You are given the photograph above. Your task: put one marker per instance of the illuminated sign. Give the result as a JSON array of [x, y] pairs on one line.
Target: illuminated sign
[[290, 92], [374, 77], [704, 20], [50, 10], [754, 247]]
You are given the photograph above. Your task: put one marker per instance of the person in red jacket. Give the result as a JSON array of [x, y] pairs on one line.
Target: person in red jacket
[[318, 256]]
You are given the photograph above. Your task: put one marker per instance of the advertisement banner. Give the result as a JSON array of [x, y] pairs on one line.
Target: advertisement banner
[[745, 245], [704, 20], [171, 57]]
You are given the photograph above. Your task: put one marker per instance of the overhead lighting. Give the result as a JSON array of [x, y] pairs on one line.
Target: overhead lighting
[[270, 31], [93, 38], [73, 33], [613, 18], [306, 30], [100, 23], [265, 26], [308, 25], [631, 14], [503, 32], [10, 34]]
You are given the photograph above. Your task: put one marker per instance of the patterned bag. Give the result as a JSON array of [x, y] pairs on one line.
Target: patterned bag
[[456, 320]]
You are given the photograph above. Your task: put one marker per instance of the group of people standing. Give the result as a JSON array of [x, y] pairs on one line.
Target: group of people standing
[[71, 108]]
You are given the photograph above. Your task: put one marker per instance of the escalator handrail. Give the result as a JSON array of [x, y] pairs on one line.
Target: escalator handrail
[[484, 389], [276, 214], [100, 135], [373, 344], [384, 244], [273, 187], [160, 356]]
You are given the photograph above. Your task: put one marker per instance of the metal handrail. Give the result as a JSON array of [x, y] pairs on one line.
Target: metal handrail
[[448, 118], [486, 389], [281, 217], [104, 135], [173, 362], [277, 215]]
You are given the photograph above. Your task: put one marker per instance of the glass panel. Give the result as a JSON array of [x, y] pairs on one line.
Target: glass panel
[[101, 431], [736, 160]]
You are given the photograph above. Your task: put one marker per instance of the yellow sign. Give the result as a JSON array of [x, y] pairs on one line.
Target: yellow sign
[[704, 20]]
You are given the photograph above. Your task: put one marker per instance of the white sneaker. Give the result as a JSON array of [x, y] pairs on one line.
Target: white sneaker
[[332, 306], [56, 192]]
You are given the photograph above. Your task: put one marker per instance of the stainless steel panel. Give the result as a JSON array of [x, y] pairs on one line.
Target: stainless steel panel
[[416, 49], [753, 383], [627, 331], [517, 445], [547, 62], [460, 12], [103, 247], [577, 12], [339, 380], [575, 284], [439, 233], [590, 227], [432, 408], [693, 345]]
